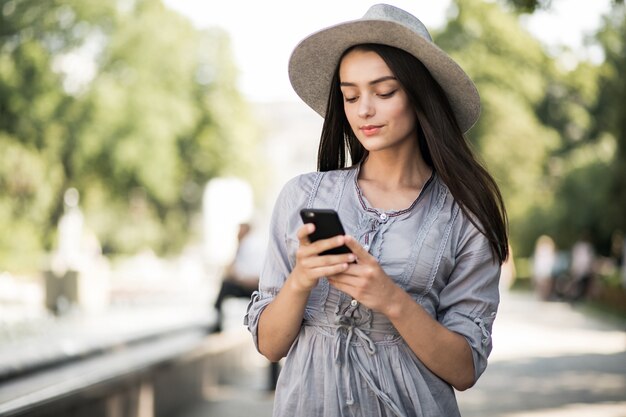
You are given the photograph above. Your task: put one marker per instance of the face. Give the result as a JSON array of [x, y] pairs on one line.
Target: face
[[376, 105]]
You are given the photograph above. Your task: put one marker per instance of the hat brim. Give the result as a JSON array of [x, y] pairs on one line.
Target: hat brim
[[315, 59]]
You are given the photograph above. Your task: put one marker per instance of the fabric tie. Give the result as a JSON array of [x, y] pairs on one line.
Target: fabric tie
[[346, 358]]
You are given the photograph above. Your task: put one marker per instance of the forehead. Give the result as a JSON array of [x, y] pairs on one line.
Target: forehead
[[359, 66]]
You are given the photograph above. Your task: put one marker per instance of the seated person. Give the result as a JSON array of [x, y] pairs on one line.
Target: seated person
[[241, 277]]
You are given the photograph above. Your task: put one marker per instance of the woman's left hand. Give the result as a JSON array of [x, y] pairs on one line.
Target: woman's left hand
[[365, 280]]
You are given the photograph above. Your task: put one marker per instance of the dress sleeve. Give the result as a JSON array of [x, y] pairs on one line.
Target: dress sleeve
[[277, 265], [469, 302]]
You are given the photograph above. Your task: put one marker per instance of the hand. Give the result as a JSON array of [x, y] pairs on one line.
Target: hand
[[365, 280], [310, 266]]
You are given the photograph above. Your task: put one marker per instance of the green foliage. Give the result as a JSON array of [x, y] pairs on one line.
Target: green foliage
[[530, 6], [581, 194], [510, 70], [588, 168], [33, 105], [567, 102], [131, 105], [125, 101], [554, 138], [610, 113]]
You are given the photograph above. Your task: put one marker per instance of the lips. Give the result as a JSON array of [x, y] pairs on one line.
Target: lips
[[370, 130]]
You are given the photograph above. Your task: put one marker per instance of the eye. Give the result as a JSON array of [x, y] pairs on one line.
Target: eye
[[350, 99], [387, 95]]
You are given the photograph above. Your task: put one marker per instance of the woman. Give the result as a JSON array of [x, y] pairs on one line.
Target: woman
[[391, 328]]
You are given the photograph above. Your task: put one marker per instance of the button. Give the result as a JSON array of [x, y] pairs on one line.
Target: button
[[354, 303], [383, 216], [366, 247]]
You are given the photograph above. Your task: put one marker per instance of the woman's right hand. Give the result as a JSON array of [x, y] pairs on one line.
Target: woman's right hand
[[310, 266]]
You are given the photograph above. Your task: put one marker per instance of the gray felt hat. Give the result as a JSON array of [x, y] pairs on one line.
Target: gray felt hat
[[315, 59]]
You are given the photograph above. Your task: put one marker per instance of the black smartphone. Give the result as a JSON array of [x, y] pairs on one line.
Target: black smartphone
[[327, 225]]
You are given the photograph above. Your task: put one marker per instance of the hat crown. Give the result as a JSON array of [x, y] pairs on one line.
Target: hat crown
[[316, 58], [399, 16]]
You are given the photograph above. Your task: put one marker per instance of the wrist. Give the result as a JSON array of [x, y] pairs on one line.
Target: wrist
[[296, 285], [398, 304]]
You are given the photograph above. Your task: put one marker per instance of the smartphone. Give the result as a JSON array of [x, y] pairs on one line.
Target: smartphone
[[327, 225]]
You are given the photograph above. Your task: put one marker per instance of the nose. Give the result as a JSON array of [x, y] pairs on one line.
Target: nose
[[366, 107]]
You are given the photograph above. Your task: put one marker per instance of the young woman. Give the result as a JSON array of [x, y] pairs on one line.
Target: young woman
[[391, 328]]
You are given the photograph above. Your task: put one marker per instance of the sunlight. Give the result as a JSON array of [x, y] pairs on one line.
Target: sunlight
[[577, 410]]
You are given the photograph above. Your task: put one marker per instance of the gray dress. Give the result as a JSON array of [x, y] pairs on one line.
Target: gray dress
[[349, 360]]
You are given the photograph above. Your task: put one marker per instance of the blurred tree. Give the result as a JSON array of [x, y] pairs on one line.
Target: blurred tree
[[168, 118], [609, 115], [529, 6], [34, 108], [580, 167], [588, 167], [125, 101], [511, 71], [552, 135]]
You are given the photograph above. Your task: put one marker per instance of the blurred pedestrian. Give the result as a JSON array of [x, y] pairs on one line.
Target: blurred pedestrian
[[393, 327], [581, 268], [241, 277], [544, 261], [624, 264], [508, 273], [618, 241], [618, 253], [69, 252]]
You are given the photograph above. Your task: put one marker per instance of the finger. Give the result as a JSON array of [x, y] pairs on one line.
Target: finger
[[333, 259], [357, 249], [313, 262], [355, 270], [342, 258], [303, 233], [324, 244], [343, 282], [331, 270]]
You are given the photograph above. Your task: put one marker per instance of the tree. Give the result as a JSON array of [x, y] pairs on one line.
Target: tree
[[128, 103], [584, 105], [529, 6], [168, 116], [552, 136], [33, 107], [510, 70], [610, 114]]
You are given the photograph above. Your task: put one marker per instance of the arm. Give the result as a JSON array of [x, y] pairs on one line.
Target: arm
[[445, 352], [281, 320]]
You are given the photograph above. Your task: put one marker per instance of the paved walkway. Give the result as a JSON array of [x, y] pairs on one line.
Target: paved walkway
[[549, 360]]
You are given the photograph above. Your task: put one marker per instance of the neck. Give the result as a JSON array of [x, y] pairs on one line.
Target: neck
[[393, 170]]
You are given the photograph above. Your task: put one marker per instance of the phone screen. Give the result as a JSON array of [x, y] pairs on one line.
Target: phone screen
[[327, 225]]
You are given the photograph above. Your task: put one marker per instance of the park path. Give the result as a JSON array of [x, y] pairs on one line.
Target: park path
[[550, 359]]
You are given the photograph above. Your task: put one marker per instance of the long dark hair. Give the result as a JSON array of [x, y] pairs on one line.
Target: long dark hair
[[441, 142]]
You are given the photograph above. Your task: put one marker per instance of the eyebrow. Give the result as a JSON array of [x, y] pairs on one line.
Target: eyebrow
[[373, 82]]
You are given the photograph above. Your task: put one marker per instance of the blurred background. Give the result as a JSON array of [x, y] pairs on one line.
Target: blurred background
[[137, 135]]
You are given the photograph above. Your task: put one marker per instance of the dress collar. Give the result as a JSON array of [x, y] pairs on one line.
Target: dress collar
[[387, 213]]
